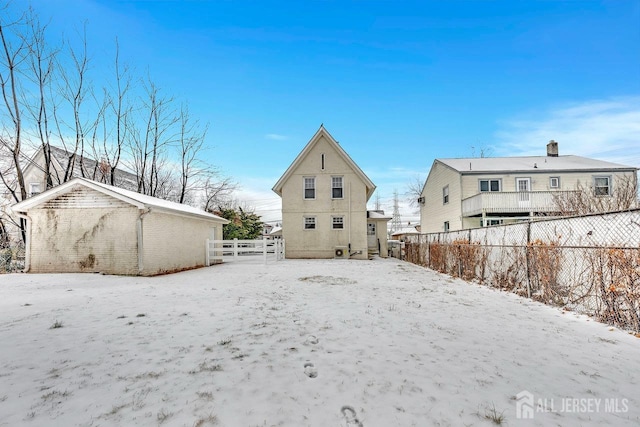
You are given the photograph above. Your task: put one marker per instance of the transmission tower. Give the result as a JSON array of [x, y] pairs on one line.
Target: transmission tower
[[396, 222]]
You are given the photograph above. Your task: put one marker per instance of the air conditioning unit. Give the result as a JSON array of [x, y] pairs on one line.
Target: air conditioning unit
[[421, 200], [341, 252]]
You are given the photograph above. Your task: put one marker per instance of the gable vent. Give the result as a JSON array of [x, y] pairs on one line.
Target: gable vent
[[83, 197]]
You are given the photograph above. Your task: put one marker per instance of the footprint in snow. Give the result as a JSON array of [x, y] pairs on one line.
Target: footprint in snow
[[310, 370], [311, 339], [350, 417]]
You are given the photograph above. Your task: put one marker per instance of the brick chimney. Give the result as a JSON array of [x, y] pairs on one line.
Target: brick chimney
[[552, 149]]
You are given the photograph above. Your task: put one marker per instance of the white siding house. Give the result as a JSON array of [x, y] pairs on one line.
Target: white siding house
[[86, 226], [324, 205], [474, 192]]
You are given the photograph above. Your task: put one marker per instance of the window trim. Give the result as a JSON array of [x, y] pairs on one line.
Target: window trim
[[31, 186], [334, 223], [488, 180], [551, 178], [304, 187], [305, 223], [335, 188], [445, 194], [609, 185]]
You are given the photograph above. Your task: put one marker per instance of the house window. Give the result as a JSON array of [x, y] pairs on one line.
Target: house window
[[554, 182], [490, 222], [336, 187], [602, 185], [322, 161], [310, 187], [337, 222], [446, 226], [445, 195], [34, 189], [489, 185], [309, 222]]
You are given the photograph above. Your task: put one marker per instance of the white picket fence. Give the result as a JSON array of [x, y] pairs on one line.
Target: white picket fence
[[236, 250]]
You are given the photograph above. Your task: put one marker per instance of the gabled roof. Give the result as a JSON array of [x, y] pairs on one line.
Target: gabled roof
[[141, 201], [531, 164], [83, 166], [322, 132]]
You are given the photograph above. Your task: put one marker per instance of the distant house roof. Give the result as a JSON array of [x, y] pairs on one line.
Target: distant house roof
[[276, 231], [323, 132], [86, 167], [141, 201], [530, 164], [378, 215], [406, 230]]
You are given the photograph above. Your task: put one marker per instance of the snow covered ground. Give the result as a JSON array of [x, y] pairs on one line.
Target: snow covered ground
[[303, 343]]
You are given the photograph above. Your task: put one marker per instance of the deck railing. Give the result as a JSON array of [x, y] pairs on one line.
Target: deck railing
[[511, 202]]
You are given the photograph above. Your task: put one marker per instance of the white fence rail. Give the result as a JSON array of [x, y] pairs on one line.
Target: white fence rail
[[234, 250]]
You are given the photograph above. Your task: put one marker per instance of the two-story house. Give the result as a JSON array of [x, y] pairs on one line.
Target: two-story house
[[324, 205], [475, 192], [64, 163]]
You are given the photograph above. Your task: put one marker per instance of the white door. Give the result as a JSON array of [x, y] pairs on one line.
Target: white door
[[372, 240], [523, 187]]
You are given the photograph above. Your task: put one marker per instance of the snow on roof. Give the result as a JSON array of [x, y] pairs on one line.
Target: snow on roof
[[377, 215], [406, 230], [277, 231], [140, 200], [530, 164]]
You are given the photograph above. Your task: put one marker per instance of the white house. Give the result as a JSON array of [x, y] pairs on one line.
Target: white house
[[474, 192], [324, 205], [87, 226]]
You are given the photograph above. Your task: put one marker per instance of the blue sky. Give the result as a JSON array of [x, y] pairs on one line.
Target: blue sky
[[397, 83]]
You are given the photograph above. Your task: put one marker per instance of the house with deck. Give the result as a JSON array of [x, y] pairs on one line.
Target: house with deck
[[466, 193], [324, 205]]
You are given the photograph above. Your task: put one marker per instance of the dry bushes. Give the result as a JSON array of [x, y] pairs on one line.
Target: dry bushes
[[544, 262]]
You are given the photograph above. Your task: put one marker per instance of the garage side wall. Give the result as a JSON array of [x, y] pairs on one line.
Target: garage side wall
[[67, 240], [174, 242]]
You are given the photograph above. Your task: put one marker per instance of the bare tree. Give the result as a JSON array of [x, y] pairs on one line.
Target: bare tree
[[585, 199], [42, 61], [414, 191], [14, 52], [216, 191]]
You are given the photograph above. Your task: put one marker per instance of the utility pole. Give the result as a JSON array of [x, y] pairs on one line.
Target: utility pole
[[396, 222]]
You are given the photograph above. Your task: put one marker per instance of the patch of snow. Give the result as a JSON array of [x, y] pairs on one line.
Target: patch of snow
[[300, 343]]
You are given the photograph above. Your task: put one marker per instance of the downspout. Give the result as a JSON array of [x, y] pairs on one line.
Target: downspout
[[349, 219], [27, 243], [139, 230]]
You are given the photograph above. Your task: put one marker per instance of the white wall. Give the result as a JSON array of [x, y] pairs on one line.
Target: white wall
[[174, 242], [320, 243]]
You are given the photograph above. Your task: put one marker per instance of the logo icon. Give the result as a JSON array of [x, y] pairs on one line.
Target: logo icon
[[524, 405]]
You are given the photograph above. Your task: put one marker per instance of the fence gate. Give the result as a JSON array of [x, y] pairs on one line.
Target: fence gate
[[218, 251]]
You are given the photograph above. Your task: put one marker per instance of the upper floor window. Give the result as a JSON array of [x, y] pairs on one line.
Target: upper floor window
[[34, 189], [554, 182], [322, 161], [490, 185], [310, 187], [309, 222], [445, 195], [602, 185], [336, 187]]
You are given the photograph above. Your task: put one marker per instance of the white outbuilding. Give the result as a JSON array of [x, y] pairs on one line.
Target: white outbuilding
[[87, 226]]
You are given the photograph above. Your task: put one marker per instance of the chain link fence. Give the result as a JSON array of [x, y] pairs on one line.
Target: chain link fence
[[11, 258], [588, 264]]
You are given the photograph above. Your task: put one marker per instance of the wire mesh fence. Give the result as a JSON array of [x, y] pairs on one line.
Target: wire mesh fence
[[11, 258], [588, 264]]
